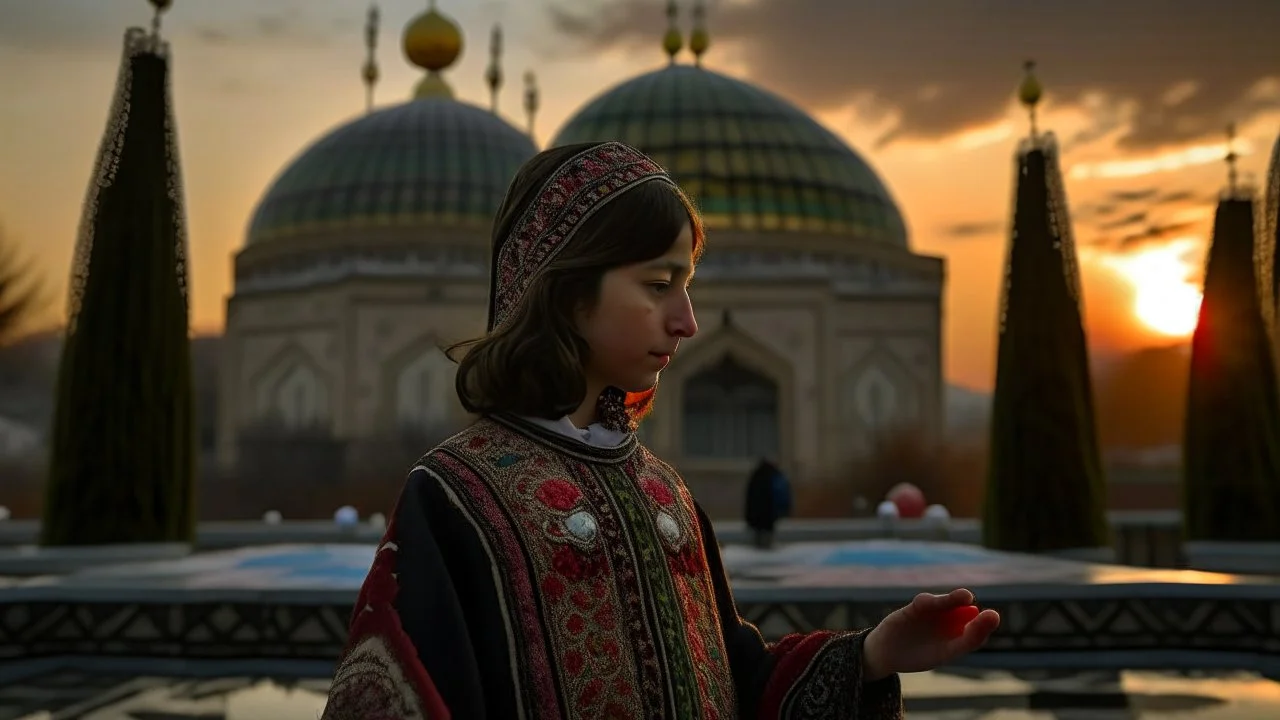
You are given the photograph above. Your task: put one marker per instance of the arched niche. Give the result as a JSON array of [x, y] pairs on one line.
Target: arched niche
[[730, 412], [720, 374], [293, 391], [879, 395], [419, 392]]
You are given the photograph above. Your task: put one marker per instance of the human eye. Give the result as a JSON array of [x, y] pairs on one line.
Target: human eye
[[659, 286]]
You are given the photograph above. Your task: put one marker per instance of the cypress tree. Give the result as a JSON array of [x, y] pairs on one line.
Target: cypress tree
[[1231, 451], [1045, 486], [123, 442]]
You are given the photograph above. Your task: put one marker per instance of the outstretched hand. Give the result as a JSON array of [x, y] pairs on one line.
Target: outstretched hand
[[931, 630]]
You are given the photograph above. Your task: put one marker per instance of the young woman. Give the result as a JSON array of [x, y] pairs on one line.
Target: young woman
[[542, 564]]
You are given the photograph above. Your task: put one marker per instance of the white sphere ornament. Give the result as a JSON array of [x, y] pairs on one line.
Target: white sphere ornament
[[346, 516], [272, 517], [4, 513], [887, 510], [937, 513]]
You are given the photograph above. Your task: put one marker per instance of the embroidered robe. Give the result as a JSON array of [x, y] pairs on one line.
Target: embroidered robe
[[525, 574]]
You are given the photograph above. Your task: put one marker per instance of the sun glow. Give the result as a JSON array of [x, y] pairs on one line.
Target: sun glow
[[1165, 300]]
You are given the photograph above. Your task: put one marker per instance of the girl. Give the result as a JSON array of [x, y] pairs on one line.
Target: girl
[[542, 564]]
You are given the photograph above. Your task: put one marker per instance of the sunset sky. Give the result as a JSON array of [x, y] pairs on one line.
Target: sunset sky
[[1139, 92]]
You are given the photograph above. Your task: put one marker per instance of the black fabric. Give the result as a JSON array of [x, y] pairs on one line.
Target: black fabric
[[448, 604], [749, 657]]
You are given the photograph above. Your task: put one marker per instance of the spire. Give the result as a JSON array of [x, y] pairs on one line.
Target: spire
[[126, 353], [1271, 244], [433, 42], [1232, 427], [699, 40], [1046, 487], [1233, 173], [493, 76], [1029, 93], [370, 72], [673, 41], [160, 7], [530, 98]]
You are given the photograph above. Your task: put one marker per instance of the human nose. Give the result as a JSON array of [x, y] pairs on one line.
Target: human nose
[[682, 323]]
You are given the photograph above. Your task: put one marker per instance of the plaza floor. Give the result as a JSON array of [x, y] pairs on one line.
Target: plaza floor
[[940, 695], [1123, 642]]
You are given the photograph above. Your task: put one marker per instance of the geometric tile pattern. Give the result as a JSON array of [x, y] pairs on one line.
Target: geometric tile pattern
[[749, 159], [172, 630]]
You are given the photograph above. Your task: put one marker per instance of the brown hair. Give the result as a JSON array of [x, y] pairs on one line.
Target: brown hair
[[533, 364]]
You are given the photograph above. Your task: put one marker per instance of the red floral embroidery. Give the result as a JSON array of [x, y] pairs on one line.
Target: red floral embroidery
[[553, 587], [574, 565], [558, 494], [477, 442], [657, 490], [574, 662], [687, 561]]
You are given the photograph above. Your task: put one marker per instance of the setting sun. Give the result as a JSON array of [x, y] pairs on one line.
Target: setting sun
[[1165, 300]]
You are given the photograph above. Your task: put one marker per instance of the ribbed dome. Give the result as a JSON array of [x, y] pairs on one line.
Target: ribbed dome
[[431, 162], [751, 160]]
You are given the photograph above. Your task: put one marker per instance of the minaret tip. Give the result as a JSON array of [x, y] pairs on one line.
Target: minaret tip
[[370, 70], [699, 39], [493, 75], [673, 41], [530, 98], [1030, 93]]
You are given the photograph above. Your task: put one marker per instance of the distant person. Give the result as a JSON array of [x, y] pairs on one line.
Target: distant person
[[768, 501], [543, 564]]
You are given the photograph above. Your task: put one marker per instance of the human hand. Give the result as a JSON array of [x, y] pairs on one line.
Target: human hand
[[929, 631]]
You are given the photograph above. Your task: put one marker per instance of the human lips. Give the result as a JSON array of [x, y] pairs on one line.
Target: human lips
[[663, 357]]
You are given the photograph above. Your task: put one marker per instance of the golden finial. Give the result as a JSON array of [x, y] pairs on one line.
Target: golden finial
[[433, 42], [1030, 92], [673, 40], [699, 40], [160, 7], [530, 98], [493, 75], [1232, 157], [370, 71]]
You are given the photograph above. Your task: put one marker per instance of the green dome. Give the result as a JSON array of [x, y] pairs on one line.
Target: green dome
[[751, 160], [430, 162]]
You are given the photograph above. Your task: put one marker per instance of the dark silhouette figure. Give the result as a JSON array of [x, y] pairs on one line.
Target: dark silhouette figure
[[768, 501]]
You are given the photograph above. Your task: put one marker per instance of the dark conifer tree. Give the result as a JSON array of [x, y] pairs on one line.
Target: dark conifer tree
[[1231, 450], [123, 444], [1045, 486]]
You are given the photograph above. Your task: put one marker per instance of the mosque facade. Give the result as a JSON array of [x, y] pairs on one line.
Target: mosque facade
[[820, 328]]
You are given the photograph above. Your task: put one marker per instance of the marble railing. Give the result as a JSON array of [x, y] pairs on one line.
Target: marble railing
[[1144, 539]]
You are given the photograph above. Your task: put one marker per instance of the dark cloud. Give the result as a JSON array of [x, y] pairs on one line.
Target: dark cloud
[[1130, 219], [1187, 66], [1125, 196], [1154, 233], [966, 230]]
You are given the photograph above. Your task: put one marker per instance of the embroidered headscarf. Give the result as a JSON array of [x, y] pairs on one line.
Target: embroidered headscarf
[[548, 202]]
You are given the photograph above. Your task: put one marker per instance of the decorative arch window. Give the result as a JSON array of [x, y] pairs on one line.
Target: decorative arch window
[[730, 412], [424, 389]]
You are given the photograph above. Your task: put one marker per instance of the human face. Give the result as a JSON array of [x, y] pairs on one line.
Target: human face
[[642, 314]]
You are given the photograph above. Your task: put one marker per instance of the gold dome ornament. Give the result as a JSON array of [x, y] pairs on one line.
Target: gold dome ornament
[[672, 41], [699, 39], [1030, 92], [432, 40]]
